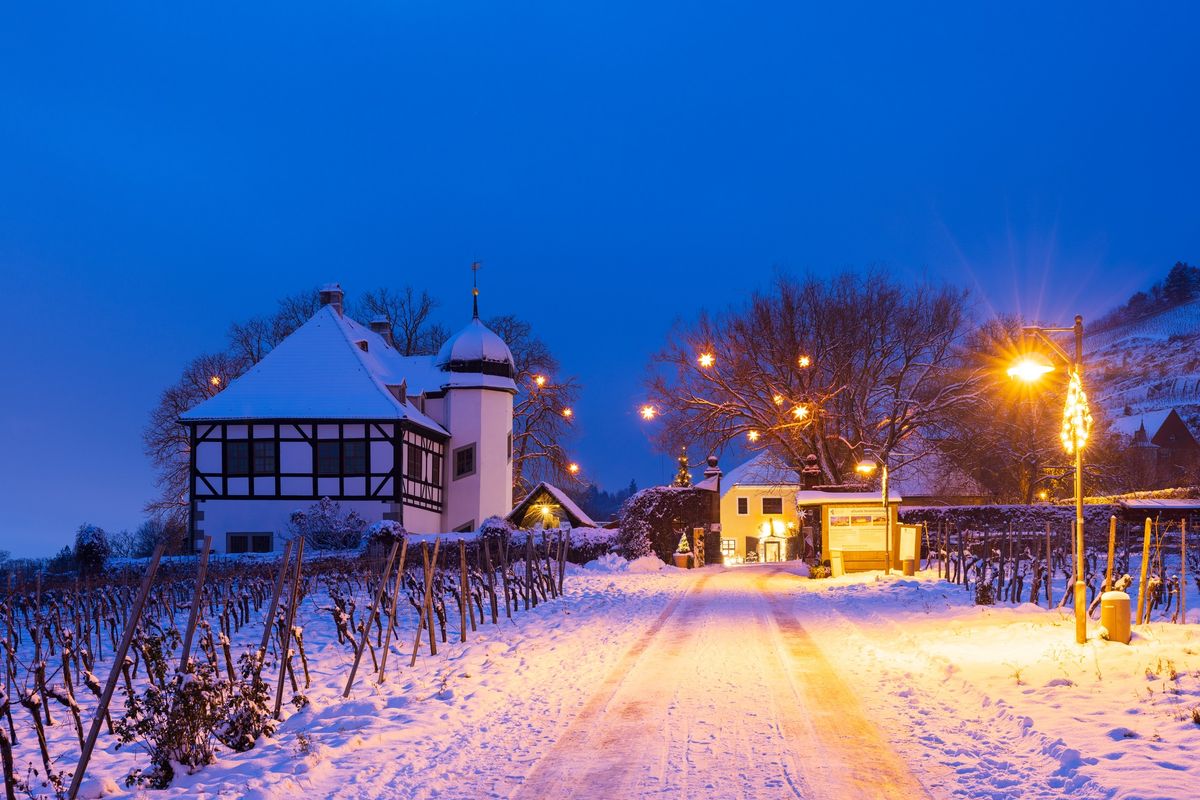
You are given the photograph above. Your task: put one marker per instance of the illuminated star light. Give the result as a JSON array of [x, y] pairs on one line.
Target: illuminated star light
[[649, 412], [778, 399], [540, 380], [706, 360], [215, 380], [805, 361], [573, 468], [752, 436], [800, 412], [568, 413]]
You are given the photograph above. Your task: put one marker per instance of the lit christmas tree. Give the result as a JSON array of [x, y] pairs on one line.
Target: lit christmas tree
[[683, 477]]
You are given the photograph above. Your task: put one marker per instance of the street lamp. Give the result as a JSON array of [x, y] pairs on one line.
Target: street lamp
[[1077, 422], [867, 469]]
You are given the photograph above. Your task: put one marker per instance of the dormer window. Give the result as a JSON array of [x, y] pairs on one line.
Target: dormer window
[[362, 345]]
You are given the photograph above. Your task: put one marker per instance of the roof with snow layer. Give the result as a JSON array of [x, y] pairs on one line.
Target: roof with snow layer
[[577, 515], [765, 469], [321, 372], [1153, 420]]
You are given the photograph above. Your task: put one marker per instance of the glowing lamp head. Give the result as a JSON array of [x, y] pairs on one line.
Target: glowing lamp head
[[706, 360], [866, 468], [1028, 370], [804, 361], [648, 412]]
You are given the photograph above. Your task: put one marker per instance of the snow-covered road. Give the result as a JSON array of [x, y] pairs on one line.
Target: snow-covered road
[[725, 696]]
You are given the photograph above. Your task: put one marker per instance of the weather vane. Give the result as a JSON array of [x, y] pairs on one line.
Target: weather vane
[[475, 265]]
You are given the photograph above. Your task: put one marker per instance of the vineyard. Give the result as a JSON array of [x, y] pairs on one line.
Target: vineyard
[[165, 666], [1152, 562]]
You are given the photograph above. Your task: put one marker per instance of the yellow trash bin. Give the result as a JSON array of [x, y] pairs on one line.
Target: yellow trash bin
[[1114, 616]]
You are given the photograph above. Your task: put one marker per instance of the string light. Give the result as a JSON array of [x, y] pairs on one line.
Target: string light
[[540, 380], [800, 412], [1077, 418], [778, 399], [752, 436], [215, 380], [568, 413], [573, 468], [649, 412], [706, 360], [805, 361]]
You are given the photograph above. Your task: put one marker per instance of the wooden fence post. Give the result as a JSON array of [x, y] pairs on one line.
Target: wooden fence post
[[462, 590], [1141, 603], [1183, 571], [1049, 571], [118, 662], [427, 604]]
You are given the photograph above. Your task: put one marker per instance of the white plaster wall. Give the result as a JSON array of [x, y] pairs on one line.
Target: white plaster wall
[[485, 418], [262, 516], [420, 520]]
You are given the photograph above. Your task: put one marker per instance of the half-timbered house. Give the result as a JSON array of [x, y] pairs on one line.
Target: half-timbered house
[[336, 411]]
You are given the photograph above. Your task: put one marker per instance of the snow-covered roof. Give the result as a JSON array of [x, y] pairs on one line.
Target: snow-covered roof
[[816, 497], [475, 342], [321, 372], [765, 469], [1152, 419], [577, 514], [1164, 504]]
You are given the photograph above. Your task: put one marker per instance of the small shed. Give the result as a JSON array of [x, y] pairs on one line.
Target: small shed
[[549, 505], [856, 529]]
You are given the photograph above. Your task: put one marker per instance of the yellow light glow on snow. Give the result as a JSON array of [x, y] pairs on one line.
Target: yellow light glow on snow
[[1077, 418], [706, 360], [1028, 370]]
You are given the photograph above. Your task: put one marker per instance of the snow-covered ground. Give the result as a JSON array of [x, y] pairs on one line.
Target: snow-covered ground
[[751, 682]]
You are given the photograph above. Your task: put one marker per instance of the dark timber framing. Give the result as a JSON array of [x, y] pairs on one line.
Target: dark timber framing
[[394, 485]]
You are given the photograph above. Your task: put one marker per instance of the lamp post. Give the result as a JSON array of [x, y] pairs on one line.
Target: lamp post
[[866, 469], [1077, 421]]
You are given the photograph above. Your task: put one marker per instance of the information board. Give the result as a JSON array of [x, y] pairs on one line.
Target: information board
[[858, 529]]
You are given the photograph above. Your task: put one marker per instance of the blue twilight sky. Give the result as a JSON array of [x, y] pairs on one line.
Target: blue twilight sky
[[167, 168]]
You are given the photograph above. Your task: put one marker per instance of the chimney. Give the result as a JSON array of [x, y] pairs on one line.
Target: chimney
[[331, 295], [382, 326]]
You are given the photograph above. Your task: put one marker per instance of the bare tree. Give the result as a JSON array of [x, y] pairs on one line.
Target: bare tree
[[414, 333], [844, 368], [543, 413], [166, 441]]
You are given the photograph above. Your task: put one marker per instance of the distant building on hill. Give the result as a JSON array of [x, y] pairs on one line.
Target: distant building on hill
[[1161, 450]]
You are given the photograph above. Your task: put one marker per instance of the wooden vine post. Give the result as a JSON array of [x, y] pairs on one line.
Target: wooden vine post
[[270, 623], [1141, 604], [366, 631], [1049, 571], [1112, 551], [427, 605], [118, 662], [285, 652], [197, 602], [1183, 571], [392, 612]]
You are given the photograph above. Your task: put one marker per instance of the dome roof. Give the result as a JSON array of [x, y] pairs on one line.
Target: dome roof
[[476, 349]]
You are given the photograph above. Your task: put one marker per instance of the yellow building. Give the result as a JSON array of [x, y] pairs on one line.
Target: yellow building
[[759, 515]]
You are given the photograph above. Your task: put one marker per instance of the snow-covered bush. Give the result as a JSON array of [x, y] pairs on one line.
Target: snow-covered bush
[[91, 549], [323, 526], [653, 520], [588, 544], [495, 528], [173, 719], [248, 714], [379, 537]]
